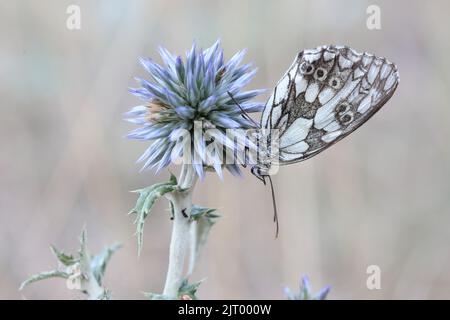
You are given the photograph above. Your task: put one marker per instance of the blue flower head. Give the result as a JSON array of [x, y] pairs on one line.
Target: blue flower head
[[305, 292], [185, 98]]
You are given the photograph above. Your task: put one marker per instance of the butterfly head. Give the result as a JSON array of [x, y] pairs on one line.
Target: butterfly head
[[260, 172]]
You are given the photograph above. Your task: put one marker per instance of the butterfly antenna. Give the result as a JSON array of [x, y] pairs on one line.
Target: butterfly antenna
[[243, 111], [275, 211]]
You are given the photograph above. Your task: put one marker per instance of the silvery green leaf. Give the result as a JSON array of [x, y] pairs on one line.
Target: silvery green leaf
[[44, 275], [145, 202], [204, 219], [100, 261], [198, 212], [83, 272], [156, 296], [83, 253], [105, 296], [65, 259], [173, 179], [189, 289], [83, 250]]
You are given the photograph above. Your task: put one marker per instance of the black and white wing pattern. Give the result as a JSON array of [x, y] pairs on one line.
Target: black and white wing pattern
[[326, 94]]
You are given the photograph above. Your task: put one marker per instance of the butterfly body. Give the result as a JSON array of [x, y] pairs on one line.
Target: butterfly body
[[327, 93]]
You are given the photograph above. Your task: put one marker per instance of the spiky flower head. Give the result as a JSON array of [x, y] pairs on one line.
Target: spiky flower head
[[306, 293], [190, 95]]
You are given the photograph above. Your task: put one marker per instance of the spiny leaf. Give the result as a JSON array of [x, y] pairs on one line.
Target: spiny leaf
[[144, 192], [173, 179], [65, 259], [197, 212], [83, 252], [148, 204], [145, 202], [100, 261], [156, 296], [186, 290], [82, 272], [44, 275], [106, 295], [189, 289]]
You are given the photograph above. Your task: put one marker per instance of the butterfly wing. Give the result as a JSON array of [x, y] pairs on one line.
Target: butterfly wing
[[326, 94]]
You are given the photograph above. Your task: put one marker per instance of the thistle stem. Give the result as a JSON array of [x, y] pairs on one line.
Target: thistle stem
[[89, 283], [179, 243], [94, 291]]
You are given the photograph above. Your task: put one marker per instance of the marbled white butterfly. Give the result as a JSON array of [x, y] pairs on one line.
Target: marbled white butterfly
[[326, 94]]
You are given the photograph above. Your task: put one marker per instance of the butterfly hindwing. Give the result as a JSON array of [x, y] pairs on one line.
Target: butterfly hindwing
[[326, 94]]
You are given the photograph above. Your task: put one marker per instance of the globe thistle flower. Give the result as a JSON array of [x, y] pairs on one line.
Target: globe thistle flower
[[305, 292], [190, 95]]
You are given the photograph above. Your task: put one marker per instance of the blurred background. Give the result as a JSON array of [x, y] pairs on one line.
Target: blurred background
[[379, 197]]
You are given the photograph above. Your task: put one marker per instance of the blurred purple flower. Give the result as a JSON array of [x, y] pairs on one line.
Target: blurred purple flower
[[305, 292], [184, 92]]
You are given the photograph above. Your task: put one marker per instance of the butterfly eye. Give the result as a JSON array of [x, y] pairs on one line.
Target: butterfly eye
[[335, 83], [320, 74], [342, 108], [346, 118], [306, 68]]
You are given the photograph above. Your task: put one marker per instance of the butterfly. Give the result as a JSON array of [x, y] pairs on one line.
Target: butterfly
[[326, 94]]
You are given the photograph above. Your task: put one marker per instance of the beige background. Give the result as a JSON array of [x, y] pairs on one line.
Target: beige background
[[379, 197]]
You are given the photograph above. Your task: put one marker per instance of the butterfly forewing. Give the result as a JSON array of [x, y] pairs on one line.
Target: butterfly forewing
[[326, 94]]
